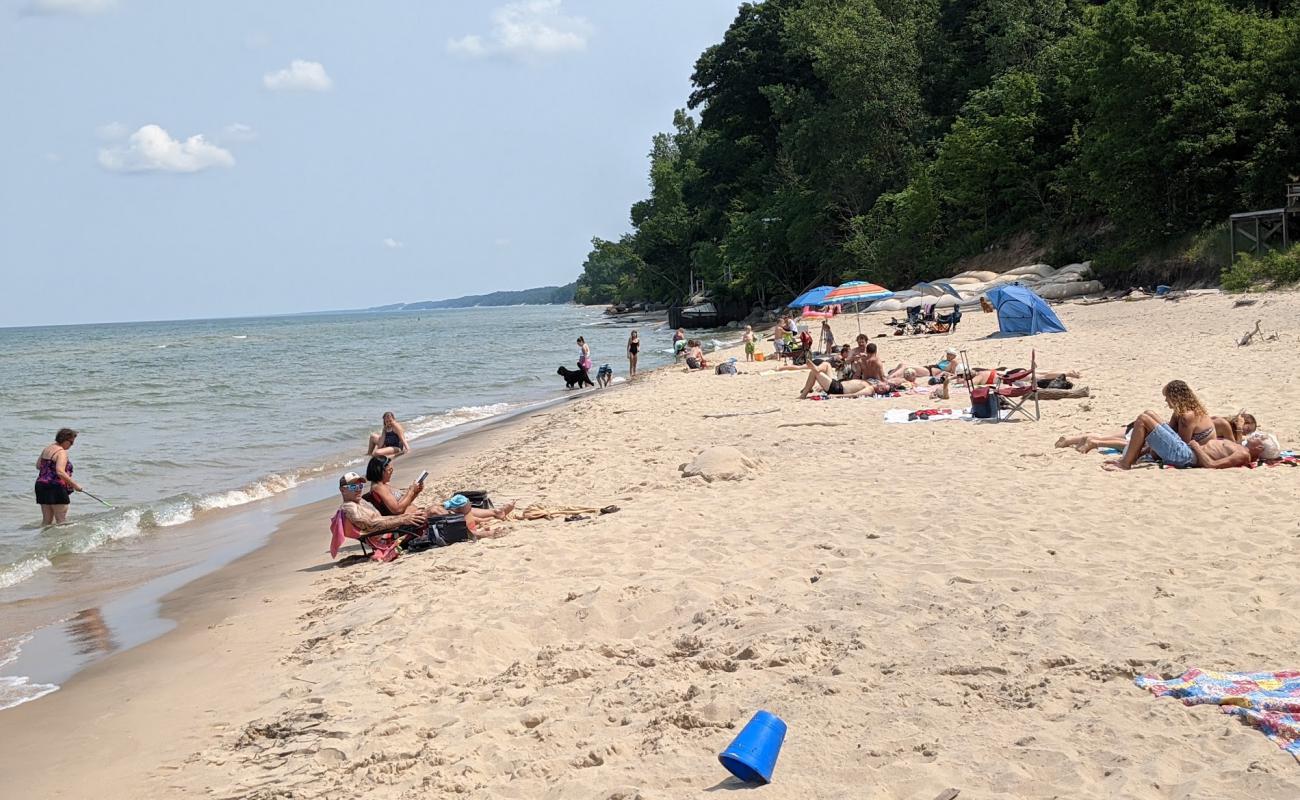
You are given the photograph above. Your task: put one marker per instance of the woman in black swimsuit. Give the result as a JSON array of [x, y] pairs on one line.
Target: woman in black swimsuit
[[633, 347], [391, 439]]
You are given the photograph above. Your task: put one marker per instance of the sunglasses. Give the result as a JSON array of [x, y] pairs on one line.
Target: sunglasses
[[354, 486]]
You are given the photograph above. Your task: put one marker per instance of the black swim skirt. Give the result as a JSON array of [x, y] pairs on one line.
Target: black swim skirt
[[51, 494], [835, 388]]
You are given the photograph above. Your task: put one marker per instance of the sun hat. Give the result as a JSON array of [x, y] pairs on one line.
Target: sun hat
[[351, 477], [456, 501], [950, 352]]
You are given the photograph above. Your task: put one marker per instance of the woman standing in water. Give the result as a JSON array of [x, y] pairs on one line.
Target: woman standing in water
[[584, 355], [54, 478], [633, 348], [391, 439]]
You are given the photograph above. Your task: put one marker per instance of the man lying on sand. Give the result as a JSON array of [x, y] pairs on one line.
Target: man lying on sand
[[1235, 428], [820, 376], [1213, 454]]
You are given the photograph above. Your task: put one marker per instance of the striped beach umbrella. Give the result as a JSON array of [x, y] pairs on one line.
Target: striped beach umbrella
[[857, 292]]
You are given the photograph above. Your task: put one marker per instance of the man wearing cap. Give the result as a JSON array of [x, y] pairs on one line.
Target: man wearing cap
[[364, 517]]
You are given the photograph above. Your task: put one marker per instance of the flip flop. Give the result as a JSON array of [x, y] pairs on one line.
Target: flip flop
[[609, 509], [575, 517]]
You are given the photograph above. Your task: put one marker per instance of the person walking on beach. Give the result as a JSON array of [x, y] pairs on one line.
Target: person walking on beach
[[633, 348], [54, 478], [391, 439]]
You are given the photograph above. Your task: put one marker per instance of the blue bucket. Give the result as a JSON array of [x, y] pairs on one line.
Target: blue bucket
[[751, 756]]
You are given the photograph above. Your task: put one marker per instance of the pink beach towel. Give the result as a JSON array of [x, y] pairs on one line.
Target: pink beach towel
[[385, 546]]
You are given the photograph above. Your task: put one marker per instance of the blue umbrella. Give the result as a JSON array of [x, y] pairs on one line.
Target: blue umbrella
[[812, 297]]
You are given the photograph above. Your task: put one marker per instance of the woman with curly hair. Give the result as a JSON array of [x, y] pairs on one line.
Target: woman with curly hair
[[1170, 441]]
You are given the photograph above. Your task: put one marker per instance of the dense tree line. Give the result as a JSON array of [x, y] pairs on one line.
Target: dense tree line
[[885, 139]]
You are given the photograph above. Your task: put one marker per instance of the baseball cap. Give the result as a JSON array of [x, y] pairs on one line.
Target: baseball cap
[[351, 477], [456, 501]]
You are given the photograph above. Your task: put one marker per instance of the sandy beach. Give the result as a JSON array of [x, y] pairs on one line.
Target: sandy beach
[[933, 605]]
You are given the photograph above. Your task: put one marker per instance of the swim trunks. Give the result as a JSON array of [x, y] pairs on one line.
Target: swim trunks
[[836, 387], [1170, 447]]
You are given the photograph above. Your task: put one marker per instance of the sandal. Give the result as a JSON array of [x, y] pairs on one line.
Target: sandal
[[609, 509]]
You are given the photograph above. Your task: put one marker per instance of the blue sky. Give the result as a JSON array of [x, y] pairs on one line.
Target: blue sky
[[168, 159]]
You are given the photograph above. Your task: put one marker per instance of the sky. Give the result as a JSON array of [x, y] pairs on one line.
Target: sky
[[175, 159]]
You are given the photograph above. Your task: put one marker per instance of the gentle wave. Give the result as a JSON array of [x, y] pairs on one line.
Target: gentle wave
[[93, 532], [16, 689]]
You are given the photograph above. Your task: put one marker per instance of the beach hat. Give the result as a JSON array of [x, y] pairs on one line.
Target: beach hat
[[351, 477], [950, 352], [456, 501]]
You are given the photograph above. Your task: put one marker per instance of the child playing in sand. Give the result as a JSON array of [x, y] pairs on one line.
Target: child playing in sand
[[748, 339]]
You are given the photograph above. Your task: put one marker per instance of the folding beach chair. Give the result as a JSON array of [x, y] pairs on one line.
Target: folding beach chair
[[1015, 399]]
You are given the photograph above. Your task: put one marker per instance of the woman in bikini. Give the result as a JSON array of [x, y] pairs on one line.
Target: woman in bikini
[[1170, 441], [390, 441]]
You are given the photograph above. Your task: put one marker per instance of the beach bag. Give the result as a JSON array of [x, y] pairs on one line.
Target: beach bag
[[477, 497], [983, 403], [449, 529], [725, 368]]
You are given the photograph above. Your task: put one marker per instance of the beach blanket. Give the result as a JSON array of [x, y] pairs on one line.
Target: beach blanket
[[1269, 701]]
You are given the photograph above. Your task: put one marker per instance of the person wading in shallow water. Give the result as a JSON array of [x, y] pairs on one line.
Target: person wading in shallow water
[[54, 478]]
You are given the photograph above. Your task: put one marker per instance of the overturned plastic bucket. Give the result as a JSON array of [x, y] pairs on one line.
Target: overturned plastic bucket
[[751, 756]]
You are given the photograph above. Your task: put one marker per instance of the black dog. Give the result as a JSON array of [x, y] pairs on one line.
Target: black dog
[[574, 377]]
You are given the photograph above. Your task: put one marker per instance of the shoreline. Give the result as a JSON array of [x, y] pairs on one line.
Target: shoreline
[[57, 646], [200, 607]]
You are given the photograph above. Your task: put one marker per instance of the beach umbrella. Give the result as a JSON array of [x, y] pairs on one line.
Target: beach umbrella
[[936, 289], [812, 297], [857, 292]]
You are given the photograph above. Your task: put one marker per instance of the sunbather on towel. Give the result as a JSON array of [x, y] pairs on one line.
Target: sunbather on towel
[[819, 377], [1170, 441], [1235, 429]]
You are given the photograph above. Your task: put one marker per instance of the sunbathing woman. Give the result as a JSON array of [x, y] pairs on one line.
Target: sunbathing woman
[[1170, 441]]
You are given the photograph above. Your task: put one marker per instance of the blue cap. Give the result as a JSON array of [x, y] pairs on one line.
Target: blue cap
[[456, 501]]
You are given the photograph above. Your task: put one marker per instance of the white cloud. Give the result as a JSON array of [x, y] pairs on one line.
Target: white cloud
[[152, 149], [238, 132], [391, 243], [528, 29], [299, 76], [70, 6], [112, 131]]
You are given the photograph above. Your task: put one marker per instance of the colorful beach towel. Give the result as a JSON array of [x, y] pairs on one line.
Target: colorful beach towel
[[1269, 701]]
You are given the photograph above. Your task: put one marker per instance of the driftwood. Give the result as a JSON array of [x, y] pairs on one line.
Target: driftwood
[[741, 414], [1076, 393], [1244, 302], [811, 424], [1245, 340], [948, 794]]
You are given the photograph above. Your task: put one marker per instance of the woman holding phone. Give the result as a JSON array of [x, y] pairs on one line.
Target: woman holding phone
[[380, 473]]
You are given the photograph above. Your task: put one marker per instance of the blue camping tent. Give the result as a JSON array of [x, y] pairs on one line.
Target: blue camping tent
[[1023, 313]]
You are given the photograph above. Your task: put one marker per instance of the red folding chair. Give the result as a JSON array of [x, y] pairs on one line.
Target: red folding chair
[[1013, 398]]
